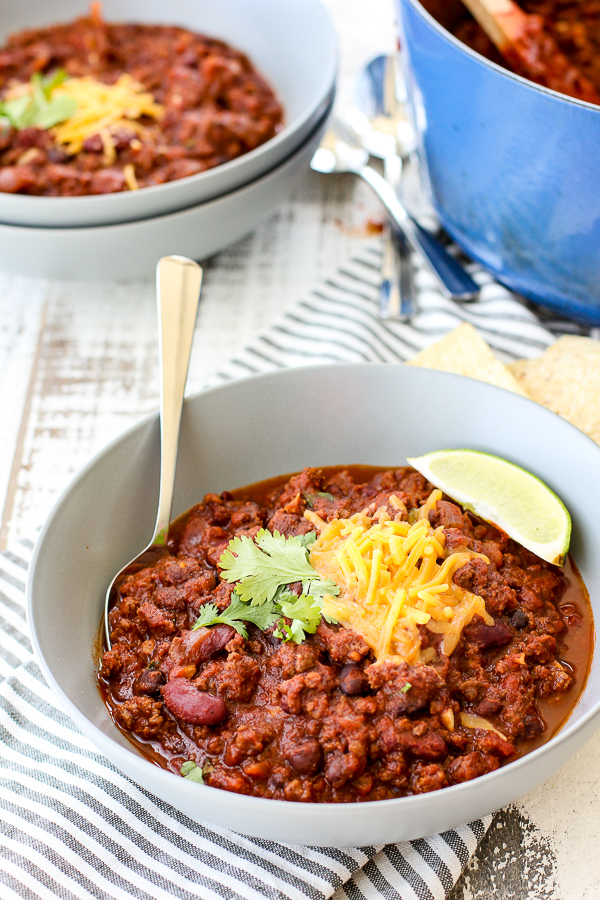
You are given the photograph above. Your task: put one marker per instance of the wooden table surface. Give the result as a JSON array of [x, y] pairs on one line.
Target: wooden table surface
[[78, 365]]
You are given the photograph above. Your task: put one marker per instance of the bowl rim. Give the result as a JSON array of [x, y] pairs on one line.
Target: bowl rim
[[133, 758], [320, 99], [420, 10]]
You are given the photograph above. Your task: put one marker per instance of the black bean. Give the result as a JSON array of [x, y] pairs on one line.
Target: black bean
[[353, 681], [149, 681], [519, 619]]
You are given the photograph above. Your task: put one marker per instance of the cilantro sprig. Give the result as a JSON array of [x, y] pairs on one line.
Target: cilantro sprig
[[38, 108], [262, 570]]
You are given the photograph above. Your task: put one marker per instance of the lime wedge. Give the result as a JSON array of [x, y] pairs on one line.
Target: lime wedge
[[504, 494]]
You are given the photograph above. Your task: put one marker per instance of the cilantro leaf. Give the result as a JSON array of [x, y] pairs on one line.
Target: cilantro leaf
[[191, 771], [267, 563], [38, 108], [236, 614], [14, 110], [49, 82], [305, 613], [56, 110]]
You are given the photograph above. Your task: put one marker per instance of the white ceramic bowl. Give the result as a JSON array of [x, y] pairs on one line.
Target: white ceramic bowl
[[129, 250], [273, 424], [292, 44]]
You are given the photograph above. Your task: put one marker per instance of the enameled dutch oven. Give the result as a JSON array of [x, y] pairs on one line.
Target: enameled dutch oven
[[512, 168]]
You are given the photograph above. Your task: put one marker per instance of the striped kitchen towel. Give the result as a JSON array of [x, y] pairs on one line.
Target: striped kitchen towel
[[72, 827], [338, 322]]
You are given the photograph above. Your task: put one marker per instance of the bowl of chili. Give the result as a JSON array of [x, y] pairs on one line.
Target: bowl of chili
[[299, 711], [510, 165], [138, 110]]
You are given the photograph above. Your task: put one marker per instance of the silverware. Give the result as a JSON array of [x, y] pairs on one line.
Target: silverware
[[178, 285], [378, 118], [337, 155]]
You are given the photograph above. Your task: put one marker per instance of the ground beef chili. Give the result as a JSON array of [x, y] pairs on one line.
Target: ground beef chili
[[573, 25], [320, 721], [216, 106]]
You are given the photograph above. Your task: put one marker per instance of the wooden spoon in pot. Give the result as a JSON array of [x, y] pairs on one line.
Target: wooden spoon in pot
[[529, 50]]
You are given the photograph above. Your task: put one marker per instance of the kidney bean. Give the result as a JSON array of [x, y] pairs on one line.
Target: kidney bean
[[305, 757], [93, 144], [205, 643], [108, 181], [186, 702], [486, 636], [353, 681], [16, 178], [56, 155]]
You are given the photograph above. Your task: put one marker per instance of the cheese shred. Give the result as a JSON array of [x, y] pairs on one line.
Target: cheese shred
[[103, 109], [394, 576]]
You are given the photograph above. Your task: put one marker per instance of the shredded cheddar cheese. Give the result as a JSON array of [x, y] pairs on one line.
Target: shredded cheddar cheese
[[130, 179], [103, 109], [394, 575]]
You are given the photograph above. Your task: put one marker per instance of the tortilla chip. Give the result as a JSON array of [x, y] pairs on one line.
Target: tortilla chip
[[566, 379], [464, 352]]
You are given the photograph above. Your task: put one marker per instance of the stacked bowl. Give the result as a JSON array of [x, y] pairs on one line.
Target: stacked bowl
[[292, 45]]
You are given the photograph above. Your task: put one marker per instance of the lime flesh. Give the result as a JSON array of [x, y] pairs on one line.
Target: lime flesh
[[504, 494]]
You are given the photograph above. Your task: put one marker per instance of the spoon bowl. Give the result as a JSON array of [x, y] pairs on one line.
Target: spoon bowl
[[335, 155], [377, 113]]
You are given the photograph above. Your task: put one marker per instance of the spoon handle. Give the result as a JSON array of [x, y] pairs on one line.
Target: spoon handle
[[452, 278], [178, 284]]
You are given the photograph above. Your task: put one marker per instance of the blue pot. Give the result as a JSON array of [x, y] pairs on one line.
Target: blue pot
[[513, 168]]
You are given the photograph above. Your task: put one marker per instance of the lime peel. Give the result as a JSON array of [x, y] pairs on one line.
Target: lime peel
[[504, 494]]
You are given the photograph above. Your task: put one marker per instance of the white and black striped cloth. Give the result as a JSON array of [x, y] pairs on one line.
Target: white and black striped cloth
[[74, 828], [338, 322]]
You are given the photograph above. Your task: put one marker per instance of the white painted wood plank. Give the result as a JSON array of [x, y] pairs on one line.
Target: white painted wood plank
[[566, 810], [22, 304]]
